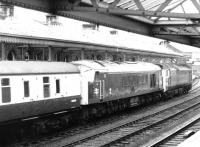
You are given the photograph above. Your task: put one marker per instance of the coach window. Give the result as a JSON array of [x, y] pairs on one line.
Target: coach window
[[46, 86], [5, 86], [57, 86], [26, 89]]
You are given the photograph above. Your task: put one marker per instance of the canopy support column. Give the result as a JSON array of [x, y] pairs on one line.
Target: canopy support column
[[82, 54], [106, 55], [3, 51], [124, 57], [49, 53]]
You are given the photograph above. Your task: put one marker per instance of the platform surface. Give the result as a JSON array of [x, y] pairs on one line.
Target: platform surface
[[192, 141]]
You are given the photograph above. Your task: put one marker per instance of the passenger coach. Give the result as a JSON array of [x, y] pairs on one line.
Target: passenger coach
[[29, 89]]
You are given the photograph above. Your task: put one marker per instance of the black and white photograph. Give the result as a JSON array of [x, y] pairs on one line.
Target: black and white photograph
[[99, 73]]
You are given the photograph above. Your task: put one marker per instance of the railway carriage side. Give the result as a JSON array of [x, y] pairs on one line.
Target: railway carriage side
[[27, 94]]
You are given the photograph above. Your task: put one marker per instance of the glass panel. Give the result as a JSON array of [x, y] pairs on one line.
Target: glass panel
[[5, 82], [26, 88], [46, 91], [6, 96], [57, 86], [45, 79]]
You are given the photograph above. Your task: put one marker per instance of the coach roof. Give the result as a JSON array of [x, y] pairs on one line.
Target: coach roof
[[36, 67]]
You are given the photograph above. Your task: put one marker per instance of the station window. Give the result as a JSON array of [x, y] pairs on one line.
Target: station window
[[46, 86], [5, 86], [26, 89], [57, 86]]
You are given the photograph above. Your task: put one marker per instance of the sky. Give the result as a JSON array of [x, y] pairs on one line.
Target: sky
[[29, 15]]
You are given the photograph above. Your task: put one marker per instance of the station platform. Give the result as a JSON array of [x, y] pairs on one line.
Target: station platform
[[192, 141]]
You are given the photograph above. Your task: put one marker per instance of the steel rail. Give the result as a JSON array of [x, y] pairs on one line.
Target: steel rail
[[121, 133], [81, 137]]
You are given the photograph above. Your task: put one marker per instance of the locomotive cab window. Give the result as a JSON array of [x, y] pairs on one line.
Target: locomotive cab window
[[153, 80], [5, 87], [26, 89], [57, 86], [46, 87]]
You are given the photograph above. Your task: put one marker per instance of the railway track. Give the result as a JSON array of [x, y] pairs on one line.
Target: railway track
[[70, 139], [178, 135], [138, 132], [72, 135]]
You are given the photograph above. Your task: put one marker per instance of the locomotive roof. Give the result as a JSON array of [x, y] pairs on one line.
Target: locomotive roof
[[36, 67], [175, 66], [182, 67], [118, 66]]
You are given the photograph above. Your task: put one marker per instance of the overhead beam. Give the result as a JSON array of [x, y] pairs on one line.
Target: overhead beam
[[41, 5], [94, 3], [169, 10], [52, 6], [48, 5], [107, 17], [175, 38], [77, 2], [196, 4], [175, 33], [163, 5], [139, 5], [177, 23], [141, 19], [137, 12], [110, 21], [184, 31], [114, 4]]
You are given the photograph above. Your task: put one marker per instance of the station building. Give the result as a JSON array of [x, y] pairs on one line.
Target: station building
[[51, 41]]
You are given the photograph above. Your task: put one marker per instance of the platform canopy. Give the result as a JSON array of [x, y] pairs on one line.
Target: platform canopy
[[173, 20]]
